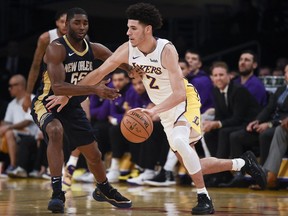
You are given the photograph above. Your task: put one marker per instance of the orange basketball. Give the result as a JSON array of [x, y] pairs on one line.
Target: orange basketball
[[136, 126]]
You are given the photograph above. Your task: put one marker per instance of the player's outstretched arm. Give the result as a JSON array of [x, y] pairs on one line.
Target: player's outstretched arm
[[119, 57]]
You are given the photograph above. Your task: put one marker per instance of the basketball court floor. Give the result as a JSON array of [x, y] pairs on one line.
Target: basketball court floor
[[30, 197]]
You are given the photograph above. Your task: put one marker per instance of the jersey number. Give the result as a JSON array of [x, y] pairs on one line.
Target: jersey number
[[76, 77], [152, 82]]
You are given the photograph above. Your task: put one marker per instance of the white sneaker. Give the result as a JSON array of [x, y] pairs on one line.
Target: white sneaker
[[88, 177], [18, 172], [113, 176], [141, 178], [34, 174]]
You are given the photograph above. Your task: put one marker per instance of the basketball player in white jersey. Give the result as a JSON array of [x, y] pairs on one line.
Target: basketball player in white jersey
[[43, 41], [176, 101]]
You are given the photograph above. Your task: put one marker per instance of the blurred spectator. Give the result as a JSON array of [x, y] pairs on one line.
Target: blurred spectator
[[199, 79], [118, 107], [17, 124], [264, 71], [277, 72], [259, 133], [247, 64]]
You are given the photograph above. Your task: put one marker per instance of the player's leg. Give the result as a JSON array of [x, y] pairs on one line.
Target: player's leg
[[54, 131], [189, 158], [104, 191]]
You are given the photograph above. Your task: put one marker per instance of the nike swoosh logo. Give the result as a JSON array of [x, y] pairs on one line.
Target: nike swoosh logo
[[70, 54], [135, 57]]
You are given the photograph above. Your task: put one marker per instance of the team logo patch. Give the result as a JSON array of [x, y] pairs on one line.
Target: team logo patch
[[196, 120]]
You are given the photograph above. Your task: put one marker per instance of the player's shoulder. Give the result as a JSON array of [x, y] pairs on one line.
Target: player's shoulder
[[44, 38]]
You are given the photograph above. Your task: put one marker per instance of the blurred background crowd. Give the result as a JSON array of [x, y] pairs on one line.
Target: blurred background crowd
[[232, 51]]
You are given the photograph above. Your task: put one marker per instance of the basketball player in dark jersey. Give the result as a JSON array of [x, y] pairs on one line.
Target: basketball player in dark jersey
[[67, 61]]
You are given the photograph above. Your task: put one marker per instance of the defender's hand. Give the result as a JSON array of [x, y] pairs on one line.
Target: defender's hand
[[105, 92], [57, 100]]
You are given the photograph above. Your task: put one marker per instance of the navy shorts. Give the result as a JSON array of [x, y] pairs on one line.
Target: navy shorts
[[77, 127]]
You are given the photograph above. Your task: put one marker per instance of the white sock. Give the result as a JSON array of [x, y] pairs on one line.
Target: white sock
[[115, 164], [202, 191], [72, 161], [171, 161], [237, 164]]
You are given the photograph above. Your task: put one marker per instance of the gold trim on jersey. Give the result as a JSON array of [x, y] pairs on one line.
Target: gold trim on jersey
[[39, 107], [74, 50]]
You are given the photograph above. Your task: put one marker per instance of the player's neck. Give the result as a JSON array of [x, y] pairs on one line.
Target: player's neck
[[148, 46], [77, 44]]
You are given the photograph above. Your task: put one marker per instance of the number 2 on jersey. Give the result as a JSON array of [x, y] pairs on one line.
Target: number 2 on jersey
[[152, 82]]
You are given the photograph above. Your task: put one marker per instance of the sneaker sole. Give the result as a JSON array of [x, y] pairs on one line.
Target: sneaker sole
[[102, 198], [56, 207], [211, 211]]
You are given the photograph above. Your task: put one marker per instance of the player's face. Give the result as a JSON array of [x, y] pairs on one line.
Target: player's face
[[193, 61], [136, 32], [61, 24], [220, 77], [78, 27], [246, 64], [138, 85]]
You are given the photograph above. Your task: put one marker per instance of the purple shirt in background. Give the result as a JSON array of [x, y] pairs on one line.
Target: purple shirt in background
[[135, 100], [256, 88], [99, 108], [116, 106], [202, 82]]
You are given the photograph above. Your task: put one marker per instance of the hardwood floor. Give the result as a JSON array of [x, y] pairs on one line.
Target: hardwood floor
[[30, 197]]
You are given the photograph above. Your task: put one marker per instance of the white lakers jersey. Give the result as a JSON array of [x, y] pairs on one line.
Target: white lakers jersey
[[53, 34], [156, 78]]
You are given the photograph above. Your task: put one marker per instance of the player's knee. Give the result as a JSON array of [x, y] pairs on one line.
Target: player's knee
[[55, 131]]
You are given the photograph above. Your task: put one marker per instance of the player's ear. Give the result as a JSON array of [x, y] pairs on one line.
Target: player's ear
[[148, 28]]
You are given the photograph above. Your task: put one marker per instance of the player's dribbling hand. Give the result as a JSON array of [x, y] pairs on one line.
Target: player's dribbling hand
[[150, 112], [105, 92], [56, 100]]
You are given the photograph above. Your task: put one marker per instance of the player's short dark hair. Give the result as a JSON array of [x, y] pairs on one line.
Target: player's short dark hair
[[145, 13], [251, 52], [220, 64], [59, 14], [71, 12]]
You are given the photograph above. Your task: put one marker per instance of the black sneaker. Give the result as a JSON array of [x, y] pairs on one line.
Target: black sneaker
[[56, 204], [112, 196], [253, 168], [164, 178], [204, 206]]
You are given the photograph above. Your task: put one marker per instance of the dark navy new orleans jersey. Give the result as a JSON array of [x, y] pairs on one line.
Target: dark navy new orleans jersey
[[76, 126]]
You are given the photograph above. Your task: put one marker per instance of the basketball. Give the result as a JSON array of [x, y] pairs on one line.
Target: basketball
[[136, 126]]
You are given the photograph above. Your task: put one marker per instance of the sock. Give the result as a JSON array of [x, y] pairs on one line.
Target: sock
[[104, 186], [72, 161], [149, 171], [115, 164], [202, 191], [171, 161], [237, 164], [56, 182]]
